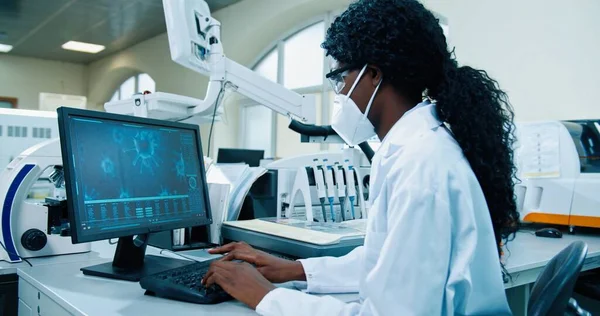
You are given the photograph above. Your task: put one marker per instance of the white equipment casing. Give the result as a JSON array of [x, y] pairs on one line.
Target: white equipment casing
[[19, 215], [293, 188], [569, 197], [33, 127], [161, 106]]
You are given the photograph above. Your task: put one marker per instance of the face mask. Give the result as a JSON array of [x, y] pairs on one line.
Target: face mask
[[348, 121]]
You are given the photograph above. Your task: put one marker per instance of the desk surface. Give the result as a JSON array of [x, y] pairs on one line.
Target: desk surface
[[86, 295], [11, 268], [528, 251], [61, 280]]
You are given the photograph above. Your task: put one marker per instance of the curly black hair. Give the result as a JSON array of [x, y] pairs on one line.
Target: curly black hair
[[406, 41]]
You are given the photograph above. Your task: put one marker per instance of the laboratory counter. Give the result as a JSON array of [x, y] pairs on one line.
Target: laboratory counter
[[62, 289], [65, 291], [56, 286], [527, 255]]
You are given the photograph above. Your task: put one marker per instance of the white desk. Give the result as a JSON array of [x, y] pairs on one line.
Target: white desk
[[526, 257], [58, 287], [65, 292]]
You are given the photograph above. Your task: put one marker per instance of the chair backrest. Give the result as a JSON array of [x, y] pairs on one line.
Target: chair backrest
[[554, 287]]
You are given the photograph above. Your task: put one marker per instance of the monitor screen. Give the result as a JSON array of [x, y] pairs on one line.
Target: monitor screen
[[251, 157], [126, 175]]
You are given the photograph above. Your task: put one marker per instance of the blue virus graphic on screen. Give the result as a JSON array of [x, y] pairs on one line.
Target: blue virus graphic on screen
[[180, 167], [193, 183], [118, 136], [90, 194], [163, 192], [145, 146], [108, 166], [124, 194]]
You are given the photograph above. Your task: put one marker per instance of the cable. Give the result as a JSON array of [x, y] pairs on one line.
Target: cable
[[323, 209], [10, 253], [212, 124], [177, 254], [111, 242], [185, 118], [331, 209]]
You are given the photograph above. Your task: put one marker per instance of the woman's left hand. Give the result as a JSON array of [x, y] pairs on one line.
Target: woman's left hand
[[240, 279]]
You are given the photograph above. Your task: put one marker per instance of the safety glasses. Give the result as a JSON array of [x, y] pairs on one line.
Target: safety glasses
[[336, 78]]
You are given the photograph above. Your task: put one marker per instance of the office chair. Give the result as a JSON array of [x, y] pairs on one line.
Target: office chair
[[551, 293]]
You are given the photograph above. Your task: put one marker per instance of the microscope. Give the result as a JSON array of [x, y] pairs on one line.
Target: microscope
[[31, 228]]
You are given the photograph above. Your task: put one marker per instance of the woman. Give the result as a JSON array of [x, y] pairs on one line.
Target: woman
[[441, 182]]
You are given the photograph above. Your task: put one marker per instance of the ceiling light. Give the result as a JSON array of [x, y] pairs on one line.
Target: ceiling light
[[5, 48], [83, 47]]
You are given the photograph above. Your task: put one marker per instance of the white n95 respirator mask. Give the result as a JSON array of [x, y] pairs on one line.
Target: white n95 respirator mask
[[348, 121]]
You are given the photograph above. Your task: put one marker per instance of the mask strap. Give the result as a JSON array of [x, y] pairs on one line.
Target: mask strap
[[372, 99], [362, 71]]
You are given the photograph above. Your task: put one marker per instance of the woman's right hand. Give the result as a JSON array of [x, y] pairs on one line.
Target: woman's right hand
[[276, 270]]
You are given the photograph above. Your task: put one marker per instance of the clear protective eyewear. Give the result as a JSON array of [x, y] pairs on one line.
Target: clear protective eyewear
[[336, 78]]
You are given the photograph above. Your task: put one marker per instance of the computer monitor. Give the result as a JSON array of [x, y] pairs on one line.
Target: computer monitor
[[233, 155], [127, 176]]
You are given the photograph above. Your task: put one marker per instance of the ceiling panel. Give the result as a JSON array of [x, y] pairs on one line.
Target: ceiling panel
[[38, 28]]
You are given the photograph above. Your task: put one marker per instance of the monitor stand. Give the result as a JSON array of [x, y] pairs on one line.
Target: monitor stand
[[131, 263]]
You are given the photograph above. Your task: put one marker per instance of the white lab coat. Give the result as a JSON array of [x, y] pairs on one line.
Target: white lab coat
[[429, 248]]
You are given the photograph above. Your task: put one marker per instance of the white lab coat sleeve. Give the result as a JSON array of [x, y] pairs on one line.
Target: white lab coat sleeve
[[333, 274], [282, 301], [410, 252]]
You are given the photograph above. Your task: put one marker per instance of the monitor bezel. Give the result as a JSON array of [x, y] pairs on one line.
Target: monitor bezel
[[64, 128]]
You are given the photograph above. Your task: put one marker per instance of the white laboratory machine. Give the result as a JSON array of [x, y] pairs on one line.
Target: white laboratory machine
[[30, 227], [559, 171], [21, 129], [293, 209], [31, 215]]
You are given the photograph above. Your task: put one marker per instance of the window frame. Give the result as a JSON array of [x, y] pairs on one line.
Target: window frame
[[14, 102], [279, 46], [136, 85]]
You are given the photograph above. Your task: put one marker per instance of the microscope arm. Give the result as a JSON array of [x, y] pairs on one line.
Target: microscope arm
[[195, 43]]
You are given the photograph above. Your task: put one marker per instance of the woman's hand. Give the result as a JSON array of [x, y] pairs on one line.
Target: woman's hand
[[276, 270], [240, 280]]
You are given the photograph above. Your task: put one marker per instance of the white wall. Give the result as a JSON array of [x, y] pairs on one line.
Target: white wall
[[544, 53], [24, 78]]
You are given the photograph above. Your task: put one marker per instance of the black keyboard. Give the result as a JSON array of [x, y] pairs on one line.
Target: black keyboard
[[184, 284]]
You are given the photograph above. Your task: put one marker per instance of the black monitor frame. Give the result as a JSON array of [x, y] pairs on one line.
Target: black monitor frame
[[128, 262]]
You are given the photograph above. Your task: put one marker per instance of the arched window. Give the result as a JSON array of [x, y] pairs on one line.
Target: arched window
[[298, 62], [134, 84]]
